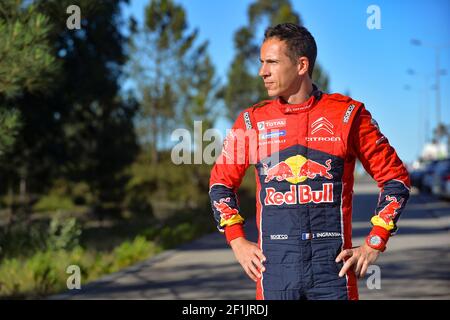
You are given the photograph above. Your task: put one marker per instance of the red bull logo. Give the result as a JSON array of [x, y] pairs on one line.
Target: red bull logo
[[297, 169], [301, 194], [389, 212], [226, 212], [311, 169], [281, 171]]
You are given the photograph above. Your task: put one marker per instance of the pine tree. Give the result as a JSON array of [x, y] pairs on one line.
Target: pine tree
[[27, 62], [175, 78], [244, 86]]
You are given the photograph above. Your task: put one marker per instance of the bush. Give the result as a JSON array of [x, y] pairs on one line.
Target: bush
[[63, 234], [41, 274], [129, 253], [54, 202], [35, 257], [22, 239], [44, 273]]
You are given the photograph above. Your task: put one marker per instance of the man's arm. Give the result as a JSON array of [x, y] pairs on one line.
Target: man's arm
[[381, 161], [226, 177]]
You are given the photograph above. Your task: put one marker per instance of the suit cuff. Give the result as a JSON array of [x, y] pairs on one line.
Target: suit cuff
[[377, 238], [234, 231], [381, 232]]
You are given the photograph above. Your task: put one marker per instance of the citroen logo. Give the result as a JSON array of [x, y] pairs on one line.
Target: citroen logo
[[322, 124]]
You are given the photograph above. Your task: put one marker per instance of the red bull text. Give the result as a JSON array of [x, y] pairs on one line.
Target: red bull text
[[299, 194]]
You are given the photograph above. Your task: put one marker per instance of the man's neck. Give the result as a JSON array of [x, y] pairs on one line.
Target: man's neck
[[302, 95]]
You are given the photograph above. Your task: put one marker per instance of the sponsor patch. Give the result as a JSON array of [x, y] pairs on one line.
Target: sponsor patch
[[248, 123], [322, 124], [275, 141], [319, 235], [271, 124], [303, 194], [348, 113], [274, 134], [323, 139], [297, 169], [279, 237]]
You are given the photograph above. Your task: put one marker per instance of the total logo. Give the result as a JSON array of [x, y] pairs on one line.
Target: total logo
[[271, 124], [297, 169]]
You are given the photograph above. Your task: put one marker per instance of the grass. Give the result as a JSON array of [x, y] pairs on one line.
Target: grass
[[34, 256], [40, 270]]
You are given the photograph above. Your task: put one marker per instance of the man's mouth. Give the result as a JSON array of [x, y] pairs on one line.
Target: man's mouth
[[268, 84]]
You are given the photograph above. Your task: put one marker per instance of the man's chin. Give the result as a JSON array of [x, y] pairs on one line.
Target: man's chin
[[272, 93]]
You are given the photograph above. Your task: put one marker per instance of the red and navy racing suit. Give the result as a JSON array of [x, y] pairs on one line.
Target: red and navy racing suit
[[304, 157]]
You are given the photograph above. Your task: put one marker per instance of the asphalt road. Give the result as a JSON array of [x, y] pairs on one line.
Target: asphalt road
[[415, 266]]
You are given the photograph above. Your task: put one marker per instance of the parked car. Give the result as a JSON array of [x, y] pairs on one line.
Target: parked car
[[447, 188], [427, 181], [416, 177], [441, 178]]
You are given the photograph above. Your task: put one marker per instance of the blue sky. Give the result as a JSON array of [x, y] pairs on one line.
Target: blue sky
[[370, 64]]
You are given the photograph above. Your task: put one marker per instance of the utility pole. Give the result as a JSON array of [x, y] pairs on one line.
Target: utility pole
[[441, 130], [438, 73]]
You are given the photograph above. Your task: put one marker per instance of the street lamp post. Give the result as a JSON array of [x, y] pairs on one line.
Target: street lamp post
[[438, 72], [423, 118]]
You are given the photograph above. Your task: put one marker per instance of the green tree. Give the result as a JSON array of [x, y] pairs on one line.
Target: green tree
[[200, 87], [83, 129], [27, 62], [244, 86], [175, 78], [175, 84]]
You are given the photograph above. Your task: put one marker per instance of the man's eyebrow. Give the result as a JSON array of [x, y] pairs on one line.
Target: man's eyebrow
[[269, 60]]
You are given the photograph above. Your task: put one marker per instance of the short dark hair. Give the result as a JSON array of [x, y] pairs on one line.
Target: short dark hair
[[299, 41]]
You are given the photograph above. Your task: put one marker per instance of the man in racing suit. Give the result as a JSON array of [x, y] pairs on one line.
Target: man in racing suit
[[304, 145]]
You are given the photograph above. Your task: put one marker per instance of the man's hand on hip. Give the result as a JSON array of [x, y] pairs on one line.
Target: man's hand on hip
[[360, 258], [249, 256]]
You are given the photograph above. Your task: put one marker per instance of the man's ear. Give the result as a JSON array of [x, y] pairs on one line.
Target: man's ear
[[303, 66]]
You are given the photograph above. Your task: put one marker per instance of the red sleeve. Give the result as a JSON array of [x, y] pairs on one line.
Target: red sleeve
[[226, 177], [382, 162]]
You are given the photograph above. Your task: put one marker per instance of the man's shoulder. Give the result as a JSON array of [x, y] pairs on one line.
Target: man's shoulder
[[340, 100], [246, 115], [260, 104], [255, 106], [342, 103]]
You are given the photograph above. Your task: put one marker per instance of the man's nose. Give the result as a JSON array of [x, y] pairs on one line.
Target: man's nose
[[263, 71]]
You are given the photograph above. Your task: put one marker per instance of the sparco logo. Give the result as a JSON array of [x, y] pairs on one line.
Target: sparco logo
[[248, 123], [279, 237], [322, 124], [348, 113], [304, 194]]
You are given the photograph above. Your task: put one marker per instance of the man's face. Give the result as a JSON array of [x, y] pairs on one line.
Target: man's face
[[281, 76]]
